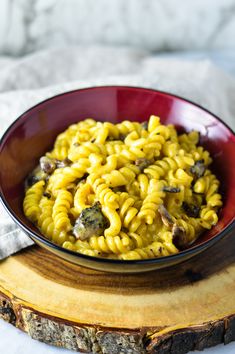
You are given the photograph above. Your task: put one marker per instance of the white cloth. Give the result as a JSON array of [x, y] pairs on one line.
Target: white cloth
[[156, 25], [21, 83]]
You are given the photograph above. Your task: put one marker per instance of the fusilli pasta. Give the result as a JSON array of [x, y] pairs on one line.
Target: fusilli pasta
[[125, 191]]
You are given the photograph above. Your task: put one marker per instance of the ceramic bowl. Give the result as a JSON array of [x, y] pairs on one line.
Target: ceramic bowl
[[33, 133]]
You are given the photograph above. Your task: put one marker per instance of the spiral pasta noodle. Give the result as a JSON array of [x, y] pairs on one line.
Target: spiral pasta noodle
[[31, 201], [125, 191]]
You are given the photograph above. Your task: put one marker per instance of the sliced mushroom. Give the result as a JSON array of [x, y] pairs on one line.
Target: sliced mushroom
[[47, 165], [179, 237], [170, 189], [90, 222], [63, 163], [142, 163], [165, 216], [122, 137], [145, 125], [36, 176], [191, 209], [198, 169], [31, 180]]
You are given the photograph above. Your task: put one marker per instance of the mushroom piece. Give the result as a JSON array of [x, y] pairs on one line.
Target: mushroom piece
[[191, 209], [47, 165], [179, 237], [170, 189], [90, 222], [165, 216], [142, 163], [34, 177], [63, 163], [31, 180], [198, 169], [122, 137], [145, 125]]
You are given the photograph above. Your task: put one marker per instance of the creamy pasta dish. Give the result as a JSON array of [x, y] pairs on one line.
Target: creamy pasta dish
[[125, 191]]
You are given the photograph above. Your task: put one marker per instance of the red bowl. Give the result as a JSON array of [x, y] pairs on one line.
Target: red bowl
[[33, 133]]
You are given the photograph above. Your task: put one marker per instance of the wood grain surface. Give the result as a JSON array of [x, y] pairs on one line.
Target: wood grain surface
[[186, 307]]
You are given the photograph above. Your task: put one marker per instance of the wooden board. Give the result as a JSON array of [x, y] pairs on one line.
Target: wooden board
[[186, 307]]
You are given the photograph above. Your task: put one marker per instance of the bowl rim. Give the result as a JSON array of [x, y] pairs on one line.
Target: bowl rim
[[34, 235]]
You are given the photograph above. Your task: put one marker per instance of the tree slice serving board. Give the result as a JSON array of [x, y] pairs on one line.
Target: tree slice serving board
[[189, 306]]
